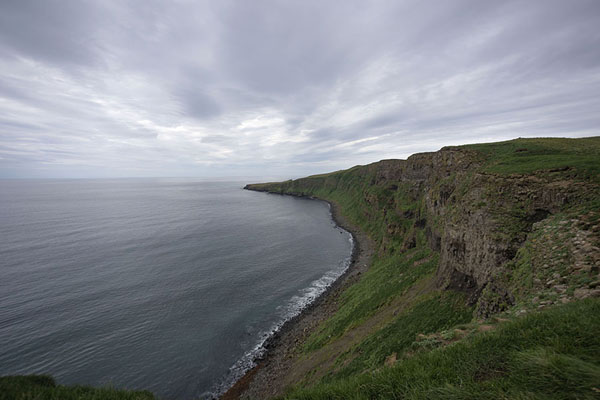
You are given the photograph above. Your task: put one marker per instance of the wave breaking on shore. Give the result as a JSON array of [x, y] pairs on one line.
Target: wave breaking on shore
[[287, 312]]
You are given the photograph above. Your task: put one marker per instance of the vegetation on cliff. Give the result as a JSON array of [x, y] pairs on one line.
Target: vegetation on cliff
[[485, 283], [548, 355], [42, 387]]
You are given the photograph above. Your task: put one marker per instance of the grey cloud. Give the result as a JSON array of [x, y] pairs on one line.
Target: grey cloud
[[60, 32], [7, 125], [216, 139], [198, 104], [199, 87], [283, 47], [383, 120]]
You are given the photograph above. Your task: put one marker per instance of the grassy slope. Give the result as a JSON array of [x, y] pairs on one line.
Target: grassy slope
[[548, 355], [41, 387], [484, 365], [528, 155]]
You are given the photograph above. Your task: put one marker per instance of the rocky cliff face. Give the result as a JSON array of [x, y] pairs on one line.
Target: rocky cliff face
[[477, 220]]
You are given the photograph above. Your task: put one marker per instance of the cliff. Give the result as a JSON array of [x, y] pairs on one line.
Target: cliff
[[464, 234], [477, 277]]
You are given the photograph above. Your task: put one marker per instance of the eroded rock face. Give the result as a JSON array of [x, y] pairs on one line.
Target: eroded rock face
[[485, 226], [477, 221], [471, 249], [493, 299]]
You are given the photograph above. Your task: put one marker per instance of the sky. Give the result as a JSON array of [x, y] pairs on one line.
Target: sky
[[222, 88]]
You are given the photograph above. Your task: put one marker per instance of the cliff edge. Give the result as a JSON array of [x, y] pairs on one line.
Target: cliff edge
[[470, 241]]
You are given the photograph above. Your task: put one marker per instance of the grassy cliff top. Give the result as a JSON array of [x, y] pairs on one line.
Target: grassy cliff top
[[518, 156], [521, 156]]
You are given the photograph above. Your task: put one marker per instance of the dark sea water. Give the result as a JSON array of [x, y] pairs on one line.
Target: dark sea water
[[169, 285]]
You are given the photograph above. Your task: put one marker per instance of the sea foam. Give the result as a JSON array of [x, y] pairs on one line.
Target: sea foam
[[286, 312]]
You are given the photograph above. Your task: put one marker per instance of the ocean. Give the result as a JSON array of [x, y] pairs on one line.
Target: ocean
[[168, 285]]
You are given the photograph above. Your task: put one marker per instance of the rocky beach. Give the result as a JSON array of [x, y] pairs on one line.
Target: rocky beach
[[273, 372]]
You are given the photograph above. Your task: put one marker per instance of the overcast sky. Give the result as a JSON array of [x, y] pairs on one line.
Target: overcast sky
[[284, 88]]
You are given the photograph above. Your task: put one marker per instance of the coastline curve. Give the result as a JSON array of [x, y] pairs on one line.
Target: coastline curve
[[261, 378]]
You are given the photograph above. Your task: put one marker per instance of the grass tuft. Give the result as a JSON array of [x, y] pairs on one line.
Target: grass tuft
[[43, 387]]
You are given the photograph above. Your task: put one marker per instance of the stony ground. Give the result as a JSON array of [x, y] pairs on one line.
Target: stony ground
[[565, 256]]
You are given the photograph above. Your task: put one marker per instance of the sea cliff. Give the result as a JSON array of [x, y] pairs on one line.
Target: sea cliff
[[469, 243], [476, 275]]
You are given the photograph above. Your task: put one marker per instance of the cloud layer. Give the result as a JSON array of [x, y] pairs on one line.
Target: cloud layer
[[238, 88]]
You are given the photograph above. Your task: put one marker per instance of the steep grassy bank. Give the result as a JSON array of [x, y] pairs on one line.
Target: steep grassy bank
[[469, 239], [547, 355]]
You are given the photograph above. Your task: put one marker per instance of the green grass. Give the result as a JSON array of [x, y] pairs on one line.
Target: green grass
[[549, 355], [387, 278], [522, 156], [435, 312], [42, 387]]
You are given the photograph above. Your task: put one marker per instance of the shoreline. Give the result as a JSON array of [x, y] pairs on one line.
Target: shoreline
[[266, 379]]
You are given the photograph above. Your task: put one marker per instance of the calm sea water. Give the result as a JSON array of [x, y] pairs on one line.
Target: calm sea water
[[169, 285]]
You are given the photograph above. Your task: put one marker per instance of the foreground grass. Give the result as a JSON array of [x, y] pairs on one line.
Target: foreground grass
[[433, 312], [553, 354], [42, 387]]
